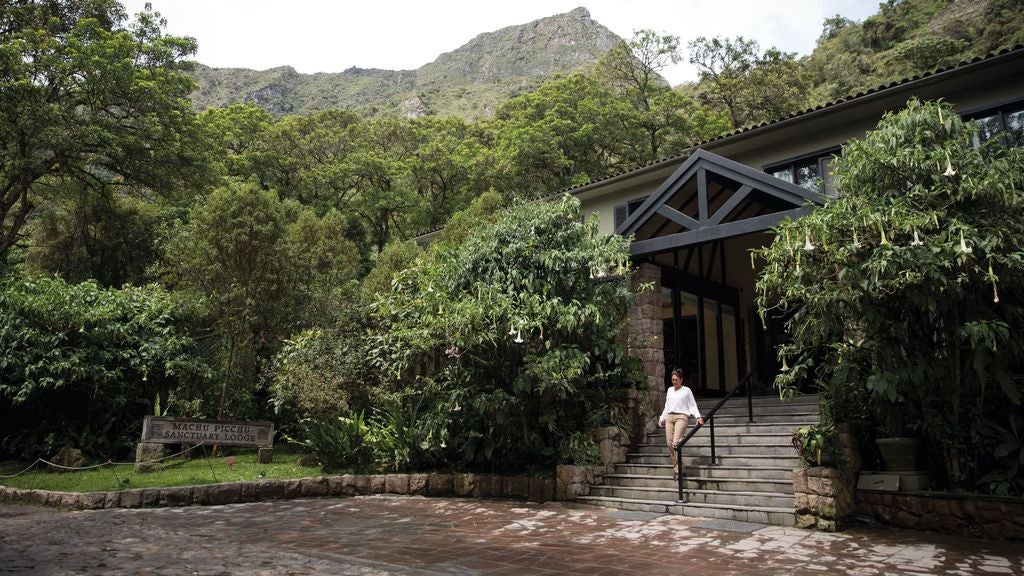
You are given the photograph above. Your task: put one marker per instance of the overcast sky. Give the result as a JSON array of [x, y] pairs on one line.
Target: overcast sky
[[330, 36]]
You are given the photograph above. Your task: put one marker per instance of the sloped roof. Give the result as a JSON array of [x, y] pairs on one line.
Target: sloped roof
[[1014, 51], [712, 198]]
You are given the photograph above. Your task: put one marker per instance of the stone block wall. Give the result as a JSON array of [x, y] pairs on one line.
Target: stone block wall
[[824, 495], [823, 498], [534, 489], [961, 514], [646, 333]]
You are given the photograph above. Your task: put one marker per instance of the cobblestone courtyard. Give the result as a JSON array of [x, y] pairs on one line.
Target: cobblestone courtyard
[[414, 535]]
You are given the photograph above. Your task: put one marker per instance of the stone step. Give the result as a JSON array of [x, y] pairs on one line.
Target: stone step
[[794, 418], [756, 514], [771, 460], [735, 428], [755, 441], [806, 399], [740, 409], [783, 449], [700, 482], [663, 470], [696, 496]]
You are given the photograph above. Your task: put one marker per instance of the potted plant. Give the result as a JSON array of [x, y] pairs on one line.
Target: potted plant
[[896, 445], [816, 444]]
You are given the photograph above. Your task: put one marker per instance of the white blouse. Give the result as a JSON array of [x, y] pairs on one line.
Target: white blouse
[[679, 401]]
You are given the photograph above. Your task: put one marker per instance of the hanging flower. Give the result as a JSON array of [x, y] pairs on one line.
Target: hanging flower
[[512, 330], [949, 166], [963, 244], [789, 247], [785, 366], [856, 243], [807, 243], [752, 267], [884, 241], [798, 263], [992, 277], [519, 338], [917, 241]]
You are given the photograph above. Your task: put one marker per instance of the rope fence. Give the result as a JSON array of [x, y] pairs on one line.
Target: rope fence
[[107, 463]]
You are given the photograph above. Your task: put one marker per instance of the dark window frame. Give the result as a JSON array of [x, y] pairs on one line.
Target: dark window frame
[[623, 211], [1000, 112], [822, 159]]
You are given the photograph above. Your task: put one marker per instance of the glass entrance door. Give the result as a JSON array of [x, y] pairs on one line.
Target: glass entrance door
[[702, 333]]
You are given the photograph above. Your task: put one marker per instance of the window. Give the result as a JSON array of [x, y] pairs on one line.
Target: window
[[811, 172], [624, 211], [1005, 124]]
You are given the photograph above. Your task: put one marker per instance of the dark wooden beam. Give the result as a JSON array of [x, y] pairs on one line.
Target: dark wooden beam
[[731, 203], [711, 233]]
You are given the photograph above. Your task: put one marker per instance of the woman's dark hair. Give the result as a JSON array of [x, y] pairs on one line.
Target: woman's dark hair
[[678, 372]]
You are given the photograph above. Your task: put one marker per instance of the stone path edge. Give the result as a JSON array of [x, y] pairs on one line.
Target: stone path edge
[[530, 488]]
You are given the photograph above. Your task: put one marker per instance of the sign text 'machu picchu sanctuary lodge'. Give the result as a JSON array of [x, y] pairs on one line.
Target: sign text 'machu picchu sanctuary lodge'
[[169, 430]]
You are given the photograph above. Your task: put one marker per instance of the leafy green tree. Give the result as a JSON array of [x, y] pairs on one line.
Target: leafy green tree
[[307, 158], [385, 198], [448, 169], [80, 365], [906, 290], [257, 261], [664, 120], [510, 329], [90, 100], [111, 238], [566, 132], [751, 86], [238, 130]]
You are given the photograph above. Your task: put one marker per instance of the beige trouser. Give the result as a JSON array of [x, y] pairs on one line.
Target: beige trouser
[[675, 427]]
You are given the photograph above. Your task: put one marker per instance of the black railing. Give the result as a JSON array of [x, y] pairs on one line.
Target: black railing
[[709, 420]]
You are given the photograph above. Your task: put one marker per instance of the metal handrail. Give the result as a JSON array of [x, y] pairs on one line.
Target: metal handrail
[[709, 420]]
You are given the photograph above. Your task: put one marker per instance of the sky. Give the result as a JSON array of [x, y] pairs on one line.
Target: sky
[[330, 36]]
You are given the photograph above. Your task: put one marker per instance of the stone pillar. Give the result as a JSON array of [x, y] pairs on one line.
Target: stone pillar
[[146, 451], [265, 456], [645, 340]]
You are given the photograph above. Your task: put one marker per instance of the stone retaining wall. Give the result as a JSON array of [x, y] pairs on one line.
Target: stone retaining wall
[[465, 485], [965, 515]]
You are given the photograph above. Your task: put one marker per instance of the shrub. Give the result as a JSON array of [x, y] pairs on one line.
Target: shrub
[[906, 290], [79, 364]]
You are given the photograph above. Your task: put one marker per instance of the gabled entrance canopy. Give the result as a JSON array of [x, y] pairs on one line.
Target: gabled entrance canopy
[[712, 198]]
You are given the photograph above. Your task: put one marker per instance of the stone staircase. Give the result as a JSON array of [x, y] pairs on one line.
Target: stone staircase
[[751, 479]]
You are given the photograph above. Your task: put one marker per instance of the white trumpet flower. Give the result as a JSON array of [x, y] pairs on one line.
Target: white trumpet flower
[[917, 241], [949, 166], [963, 244], [807, 243]]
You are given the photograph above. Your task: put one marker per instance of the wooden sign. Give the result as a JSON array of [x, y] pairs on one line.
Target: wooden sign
[[169, 430]]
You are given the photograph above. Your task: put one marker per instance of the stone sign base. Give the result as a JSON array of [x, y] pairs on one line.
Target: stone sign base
[[144, 453]]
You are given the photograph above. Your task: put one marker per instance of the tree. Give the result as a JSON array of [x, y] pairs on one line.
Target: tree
[[662, 119], [258, 262], [513, 329], [568, 131], [904, 294], [752, 87], [88, 99]]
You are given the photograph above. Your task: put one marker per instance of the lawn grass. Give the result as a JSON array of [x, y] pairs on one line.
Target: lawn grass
[[203, 469]]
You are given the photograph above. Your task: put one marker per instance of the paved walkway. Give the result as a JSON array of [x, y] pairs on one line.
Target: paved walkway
[[376, 535]]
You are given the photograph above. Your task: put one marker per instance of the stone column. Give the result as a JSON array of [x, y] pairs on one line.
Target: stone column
[[145, 453], [646, 344]]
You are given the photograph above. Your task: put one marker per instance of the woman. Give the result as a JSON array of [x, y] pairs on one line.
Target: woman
[[679, 406]]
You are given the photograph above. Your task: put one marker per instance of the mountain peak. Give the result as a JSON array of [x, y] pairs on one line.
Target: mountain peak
[[470, 81]]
